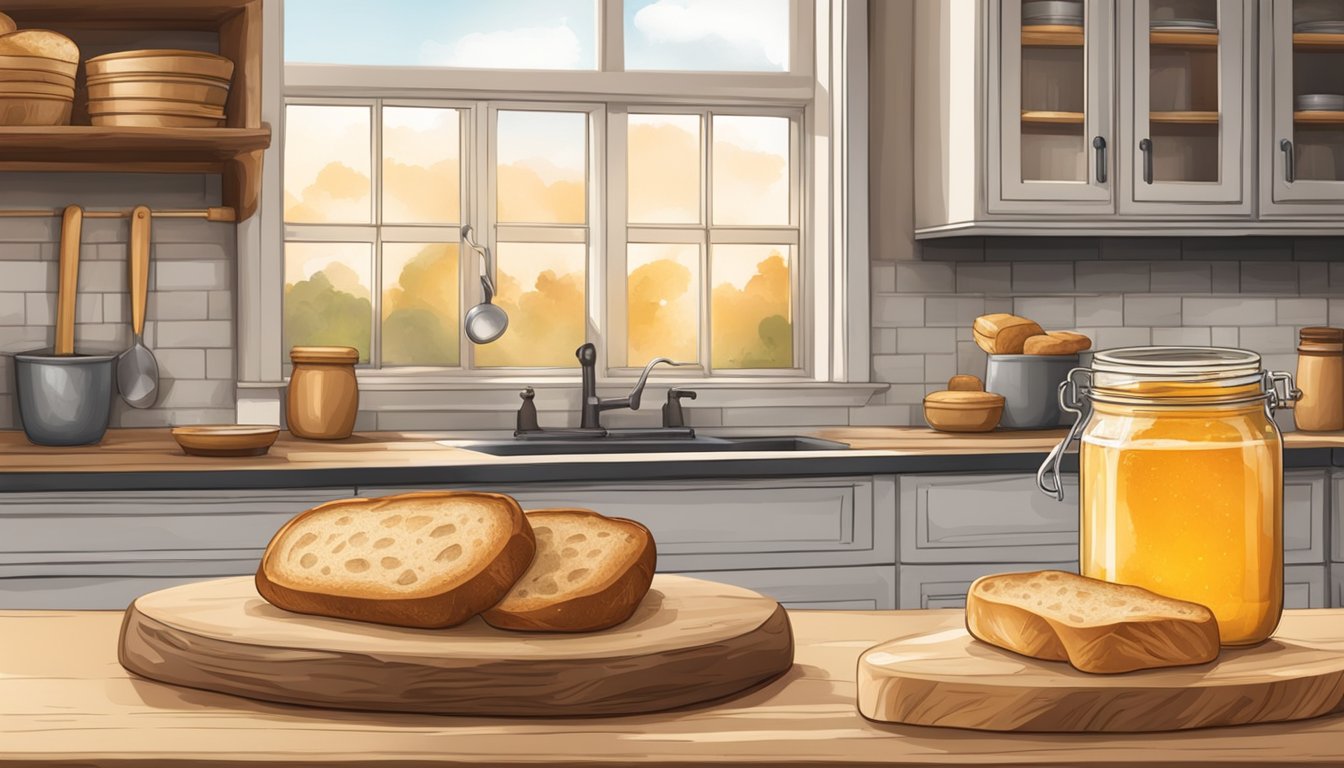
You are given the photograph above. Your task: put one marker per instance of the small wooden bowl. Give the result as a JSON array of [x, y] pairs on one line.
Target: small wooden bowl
[[113, 120], [39, 63], [154, 107], [36, 76], [191, 92], [166, 62], [35, 110], [11, 88], [963, 411], [217, 440]]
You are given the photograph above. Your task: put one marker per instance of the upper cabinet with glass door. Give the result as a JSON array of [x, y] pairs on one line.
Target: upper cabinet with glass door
[[1303, 144], [1184, 83], [1053, 131]]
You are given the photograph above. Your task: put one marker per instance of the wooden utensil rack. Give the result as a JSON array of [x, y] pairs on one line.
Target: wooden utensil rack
[[209, 214]]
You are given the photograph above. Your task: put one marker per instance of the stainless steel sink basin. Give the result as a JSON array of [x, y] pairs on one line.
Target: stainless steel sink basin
[[554, 447]]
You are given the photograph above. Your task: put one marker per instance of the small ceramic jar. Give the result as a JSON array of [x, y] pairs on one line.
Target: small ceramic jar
[[323, 392]]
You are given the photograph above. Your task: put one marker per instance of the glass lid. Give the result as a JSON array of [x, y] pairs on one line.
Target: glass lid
[[1115, 367]]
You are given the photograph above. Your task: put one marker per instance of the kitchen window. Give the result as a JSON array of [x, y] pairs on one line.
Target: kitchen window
[[654, 176]]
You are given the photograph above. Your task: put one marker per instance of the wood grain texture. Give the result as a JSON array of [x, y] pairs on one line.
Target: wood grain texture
[[690, 641], [64, 700], [72, 232], [950, 679]]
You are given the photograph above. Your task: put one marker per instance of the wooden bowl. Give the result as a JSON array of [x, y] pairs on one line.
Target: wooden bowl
[[194, 92], [115, 120], [963, 411], [154, 107], [12, 88], [36, 76], [166, 62], [40, 64], [35, 110], [226, 439], [156, 77]]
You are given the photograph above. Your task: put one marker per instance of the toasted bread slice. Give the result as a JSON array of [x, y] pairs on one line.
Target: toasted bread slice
[[7, 24], [1094, 625], [1056, 343], [416, 560], [590, 573], [40, 42], [1004, 333]]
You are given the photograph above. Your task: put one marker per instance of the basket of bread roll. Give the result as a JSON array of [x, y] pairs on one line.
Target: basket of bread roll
[[37, 75]]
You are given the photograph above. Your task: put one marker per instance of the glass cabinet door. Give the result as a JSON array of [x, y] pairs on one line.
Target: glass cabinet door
[[1054, 98], [1188, 101], [1308, 100]]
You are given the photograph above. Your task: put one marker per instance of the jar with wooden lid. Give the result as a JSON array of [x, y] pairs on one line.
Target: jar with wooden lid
[[1181, 478], [1320, 376], [323, 398]]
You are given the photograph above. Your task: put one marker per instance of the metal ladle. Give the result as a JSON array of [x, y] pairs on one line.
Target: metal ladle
[[485, 322]]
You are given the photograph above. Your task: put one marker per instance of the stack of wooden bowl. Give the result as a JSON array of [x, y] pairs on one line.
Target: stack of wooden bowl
[[158, 89], [37, 76]]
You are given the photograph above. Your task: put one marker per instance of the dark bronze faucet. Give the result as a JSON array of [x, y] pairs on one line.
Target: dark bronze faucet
[[591, 406]]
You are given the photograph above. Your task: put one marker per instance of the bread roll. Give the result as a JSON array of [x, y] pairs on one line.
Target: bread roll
[[39, 42], [964, 382], [7, 25], [1004, 334]]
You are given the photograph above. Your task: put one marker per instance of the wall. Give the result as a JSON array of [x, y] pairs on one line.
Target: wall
[[191, 299]]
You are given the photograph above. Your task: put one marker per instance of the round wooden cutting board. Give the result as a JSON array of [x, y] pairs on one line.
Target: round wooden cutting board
[[690, 641], [951, 679]]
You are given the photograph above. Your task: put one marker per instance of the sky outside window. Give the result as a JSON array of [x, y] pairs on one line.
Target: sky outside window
[[707, 35]]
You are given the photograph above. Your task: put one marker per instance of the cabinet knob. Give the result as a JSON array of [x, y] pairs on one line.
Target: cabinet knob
[[1289, 164], [1146, 147], [1099, 144]]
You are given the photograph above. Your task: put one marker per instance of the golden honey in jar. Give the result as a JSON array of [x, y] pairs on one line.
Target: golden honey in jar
[[1181, 481]]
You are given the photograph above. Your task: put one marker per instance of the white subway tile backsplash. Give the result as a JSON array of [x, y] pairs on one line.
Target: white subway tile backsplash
[[925, 277], [1301, 312], [899, 369], [1268, 340], [116, 308], [1313, 277], [181, 363], [193, 393], [1225, 277], [1269, 277], [1052, 312], [20, 251], [1152, 310], [192, 275], [1182, 337], [925, 340], [178, 305], [883, 341], [1181, 277], [939, 368], [1140, 248], [974, 277], [879, 416], [219, 364], [1043, 277], [1111, 338], [884, 277], [207, 334], [27, 276], [1224, 337], [895, 310], [1238, 310], [1099, 310], [102, 276], [1112, 276], [12, 310], [953, 311]]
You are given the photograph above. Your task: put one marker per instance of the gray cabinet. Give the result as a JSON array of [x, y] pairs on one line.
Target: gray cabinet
[[863, 588], [1306, 586], [965, 518], [944, 586]]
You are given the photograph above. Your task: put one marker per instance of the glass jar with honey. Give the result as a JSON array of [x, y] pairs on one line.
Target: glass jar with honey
[[1181, 478]]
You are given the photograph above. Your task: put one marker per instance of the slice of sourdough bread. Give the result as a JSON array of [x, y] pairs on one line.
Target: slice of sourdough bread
[[590, 573], [425, 560], [1094, 625]]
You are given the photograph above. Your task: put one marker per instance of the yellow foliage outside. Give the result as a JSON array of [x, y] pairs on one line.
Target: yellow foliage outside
[[751, 327], [546, 324]]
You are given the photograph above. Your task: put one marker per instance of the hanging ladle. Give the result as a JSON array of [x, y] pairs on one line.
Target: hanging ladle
[[485, 322]]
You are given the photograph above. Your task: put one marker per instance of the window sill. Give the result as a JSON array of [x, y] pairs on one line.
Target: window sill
[[401, 393]]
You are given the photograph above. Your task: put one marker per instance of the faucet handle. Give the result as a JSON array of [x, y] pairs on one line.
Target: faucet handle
[[673, 416], [527, 413]]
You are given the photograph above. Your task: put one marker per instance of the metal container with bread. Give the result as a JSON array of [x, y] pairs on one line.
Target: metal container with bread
[[37, 77], [159, 89], [1026, 365]]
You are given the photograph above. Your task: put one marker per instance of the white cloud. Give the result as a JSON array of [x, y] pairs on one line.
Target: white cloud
[[753, 24], [528, 48]]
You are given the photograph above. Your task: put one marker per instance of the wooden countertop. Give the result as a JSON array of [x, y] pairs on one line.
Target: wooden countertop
[[64, 700]]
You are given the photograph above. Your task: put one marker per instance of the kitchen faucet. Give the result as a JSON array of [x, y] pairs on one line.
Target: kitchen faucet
[[591, 406]]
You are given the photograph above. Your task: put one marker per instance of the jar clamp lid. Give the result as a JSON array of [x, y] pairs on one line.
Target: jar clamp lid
[[1184, 377], [324, 355]]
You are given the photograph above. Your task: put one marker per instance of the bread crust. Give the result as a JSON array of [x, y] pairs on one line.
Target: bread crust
[[446, 609], [7, 24], [39, 42], [610, 604], [1003, 334], [1143, 642]]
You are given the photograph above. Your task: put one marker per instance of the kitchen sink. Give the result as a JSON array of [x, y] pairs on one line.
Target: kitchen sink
[[699, 444]]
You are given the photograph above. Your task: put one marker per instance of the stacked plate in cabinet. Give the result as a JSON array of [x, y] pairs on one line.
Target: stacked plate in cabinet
[[1063, 13], [37, 76], [159, 89]]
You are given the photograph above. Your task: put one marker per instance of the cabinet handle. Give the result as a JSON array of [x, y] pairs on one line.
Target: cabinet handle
[[1146, 146], [1099, 144], [1289, 166]]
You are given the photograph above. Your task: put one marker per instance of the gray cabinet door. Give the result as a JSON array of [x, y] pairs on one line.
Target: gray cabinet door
[[1305, 586], [964, 518], [1304, 516], [1336, 585], [944, 586], [712, 525], [864, 588]]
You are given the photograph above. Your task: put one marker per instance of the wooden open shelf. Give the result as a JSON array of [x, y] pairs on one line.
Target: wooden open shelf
[[1318, 41], [1182, 39], [1052, 36], [1188, 118], [1316, 117], [1039, 117], [234, 151]]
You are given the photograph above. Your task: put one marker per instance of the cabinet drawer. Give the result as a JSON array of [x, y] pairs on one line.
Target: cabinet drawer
[[1304, 586], [718, 525], [944, 586], [1336, 585], [870, 588], [104, 586], [959, 518], [1304, 512], [47, 527]]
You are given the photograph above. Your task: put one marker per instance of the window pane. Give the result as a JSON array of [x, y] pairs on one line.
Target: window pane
[[327, 295], [499, 34], [328, 172], [723, 35], [542, 167], [664, 161], [751, 170], [751, 316], [663, 291], [420, 304], [541, 286], [421, 183]]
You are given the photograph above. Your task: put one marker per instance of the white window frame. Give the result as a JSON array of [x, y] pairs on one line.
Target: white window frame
[[827, 80]]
